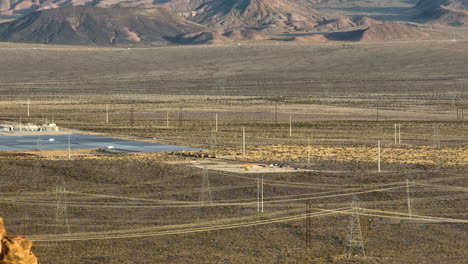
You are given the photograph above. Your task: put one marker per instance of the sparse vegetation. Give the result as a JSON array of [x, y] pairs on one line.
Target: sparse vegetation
[[330, 91]]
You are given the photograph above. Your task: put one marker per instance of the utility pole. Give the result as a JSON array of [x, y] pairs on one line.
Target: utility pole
[[261, 196], [436, 136], [61, 216], [258, 194], [132, 116], [243, 141], [69, 148], [276, 112], [355, 243], [290, 126], [395, 133], [460, 114], [399, 134], [167, 119], [28, 108], [24, 221], [378, 155], [180, 116], [107, 113], [213, 139], [205, 192], [216, 122], [408, 198]]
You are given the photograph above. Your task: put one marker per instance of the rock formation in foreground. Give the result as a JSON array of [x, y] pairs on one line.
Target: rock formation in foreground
[[15, 249]]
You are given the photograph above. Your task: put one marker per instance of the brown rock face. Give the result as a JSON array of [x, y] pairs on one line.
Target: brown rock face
[[15, 249], [2, 228]]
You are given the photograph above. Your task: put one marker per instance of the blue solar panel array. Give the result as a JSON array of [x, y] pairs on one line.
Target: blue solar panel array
[[81, 141]]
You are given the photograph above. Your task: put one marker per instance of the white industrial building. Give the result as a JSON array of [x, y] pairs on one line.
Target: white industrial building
[[28, 127]]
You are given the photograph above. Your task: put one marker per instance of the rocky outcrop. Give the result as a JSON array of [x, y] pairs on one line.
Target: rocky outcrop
[[380, 32], [219, 37], [15, 249]]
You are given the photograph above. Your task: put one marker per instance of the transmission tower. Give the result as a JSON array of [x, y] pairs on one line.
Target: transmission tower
[[213, 139], [436, 136], [132, 115], [205, 192], [61, 216], [276, 112], [308, 222], [24, 223], [355, 243], [180, 116]]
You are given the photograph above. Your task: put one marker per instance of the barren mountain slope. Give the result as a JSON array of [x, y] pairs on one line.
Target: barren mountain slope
[[94, 25], [256, 13], [19, 8], [433, 4], [444, 12]]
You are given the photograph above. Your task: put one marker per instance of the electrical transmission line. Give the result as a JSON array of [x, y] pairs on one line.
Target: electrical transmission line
[[61, 216], [355, 243], [308, 222], [436, 136], [213, 139], [132, 115], [205, 192]]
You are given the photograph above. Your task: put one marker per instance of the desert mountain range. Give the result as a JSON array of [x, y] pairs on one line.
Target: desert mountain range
[[161, 22], [445, 12], [102, 26]]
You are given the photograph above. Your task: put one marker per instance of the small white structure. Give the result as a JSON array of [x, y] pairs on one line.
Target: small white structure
[[6, 128], [49, 127], [28, 127]]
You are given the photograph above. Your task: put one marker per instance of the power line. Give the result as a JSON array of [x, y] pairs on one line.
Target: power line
[[243, 141], [308, 223], [181, 229], [205, 192], [213, 138], [61, 216], [355, 243], [132, 115], [378, 156], [258, 194], [107, 113], [436, 136], [408, 198]]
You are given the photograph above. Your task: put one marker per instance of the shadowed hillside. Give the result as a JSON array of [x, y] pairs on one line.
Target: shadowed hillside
[[380, 32], [100, 26], [445, 12], [219, 37]]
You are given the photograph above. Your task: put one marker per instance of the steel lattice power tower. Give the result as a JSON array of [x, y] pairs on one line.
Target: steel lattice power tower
[[213, 139], [355, 243], [436, 136], [205, 192], [61, 216]]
